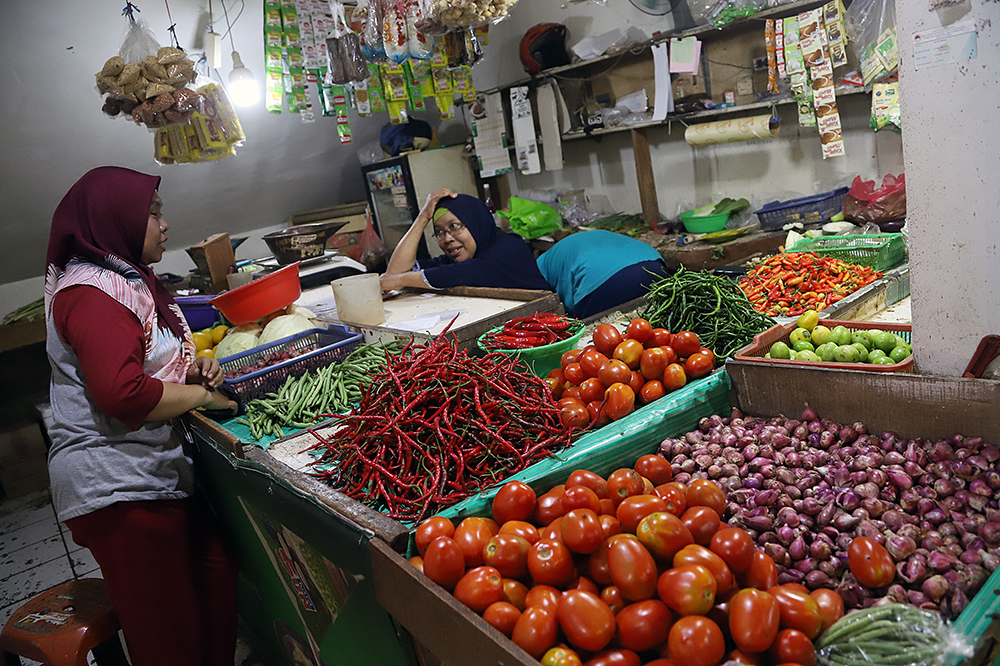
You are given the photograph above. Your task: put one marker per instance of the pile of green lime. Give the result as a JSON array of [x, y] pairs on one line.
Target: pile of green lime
[[811, 341]]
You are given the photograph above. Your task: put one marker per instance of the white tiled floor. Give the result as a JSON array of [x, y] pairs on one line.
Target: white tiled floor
[[37, 552]]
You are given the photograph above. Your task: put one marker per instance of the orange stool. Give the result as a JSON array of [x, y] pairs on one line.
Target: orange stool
[[61, 625]]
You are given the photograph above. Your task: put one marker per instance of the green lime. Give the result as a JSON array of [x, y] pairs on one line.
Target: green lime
[[875, 354], [862, 351], [864, 338], [885, 341], [846, 354], [899, 353], [780, 350], [882, 360], [806, 355], [840, 335], [820, 335], [803, 345], [826, 351], [808, 320], [798, 335]]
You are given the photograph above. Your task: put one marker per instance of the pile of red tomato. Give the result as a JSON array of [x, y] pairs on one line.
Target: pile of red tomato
[[630, 570], [603, 381]]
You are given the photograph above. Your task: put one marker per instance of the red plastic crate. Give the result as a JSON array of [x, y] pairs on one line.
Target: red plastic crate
[[762, 343]]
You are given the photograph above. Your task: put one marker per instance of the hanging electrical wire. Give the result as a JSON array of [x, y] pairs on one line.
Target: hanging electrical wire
[[128, 11], [173, 27]]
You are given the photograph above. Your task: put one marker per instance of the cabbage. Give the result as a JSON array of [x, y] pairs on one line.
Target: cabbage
[[284, 326], [299, 310], [238, 340]]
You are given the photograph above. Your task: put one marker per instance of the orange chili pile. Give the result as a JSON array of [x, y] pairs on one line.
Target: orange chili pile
[[437, 426], [789, 284]]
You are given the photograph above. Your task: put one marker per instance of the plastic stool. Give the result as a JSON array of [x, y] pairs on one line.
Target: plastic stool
[[61, 625]]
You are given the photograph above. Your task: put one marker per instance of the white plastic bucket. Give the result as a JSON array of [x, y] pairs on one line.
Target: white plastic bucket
[[359, 299]]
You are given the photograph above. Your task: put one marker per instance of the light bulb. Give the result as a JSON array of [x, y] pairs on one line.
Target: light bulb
[[243, 88]]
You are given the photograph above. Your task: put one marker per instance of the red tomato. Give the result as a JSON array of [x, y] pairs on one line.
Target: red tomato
[[514, 592], [417, 562], [688, 589], [598, 415], [508, 554], [555, 386], [551, 563], [587, 621], [585, 584], [514, 501], [572, 392], [581, 531], [572, 356], [588, 479], [671, 354], [762, 574], [616, 657], [607, 508], [703, 523], [698, 365], [654, 467], [741, 657], [614, 371], [536, 630], [662, 661], [660, 337], [686, 343], [592, 389], [431, 529], [503, 616], [557, 373], [606, 338], [591, 362], [695, 554], [597, 564], [753, 620], [619, 401], [711, 354], [636, 382], [471, 536], [735, 547], [612, 596], [549, 506], [674, 495], [696, 641], [632, 568], [574, 374], [870, 562], [831, 607], [624, 483], [629, 352], [581, 497], [674, 377], [639, 329], [520, 528], [653, 362], [792, 646], [545, 596], [702, 492], [663, 534], [633, 509], [561, 656], [644, 625], [552, 532], [479, 588], [609, 524], [798, 610], [651, 391]]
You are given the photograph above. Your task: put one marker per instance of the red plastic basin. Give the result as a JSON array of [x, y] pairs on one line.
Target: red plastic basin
[[259, 298]]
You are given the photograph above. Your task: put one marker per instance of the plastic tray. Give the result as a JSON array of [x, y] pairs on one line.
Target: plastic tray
[[878, 251], [334, 344], [807, 210], [762, 343]]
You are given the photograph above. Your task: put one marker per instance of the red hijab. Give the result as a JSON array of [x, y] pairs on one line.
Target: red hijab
[[103, 219]]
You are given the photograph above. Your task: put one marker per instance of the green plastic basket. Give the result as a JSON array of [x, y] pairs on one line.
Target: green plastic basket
[[539, 360], [878, 251]]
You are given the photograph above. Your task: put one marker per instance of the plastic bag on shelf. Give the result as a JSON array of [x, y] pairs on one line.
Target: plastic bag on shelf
[[147, 82], [420, 44], [531, 219], [575, 214], [864, 203], [871, 25]]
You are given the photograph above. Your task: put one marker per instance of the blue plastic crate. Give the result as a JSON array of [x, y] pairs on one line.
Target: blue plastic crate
[[333, 345], [807, 210]]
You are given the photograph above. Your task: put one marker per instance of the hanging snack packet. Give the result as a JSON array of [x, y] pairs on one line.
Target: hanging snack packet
[[421, 46], [885, 107], [345, 61], [394, 37], [772, 58]]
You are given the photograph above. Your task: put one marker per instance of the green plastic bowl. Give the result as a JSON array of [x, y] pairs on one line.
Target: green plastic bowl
[[704, 224], [539, 360]]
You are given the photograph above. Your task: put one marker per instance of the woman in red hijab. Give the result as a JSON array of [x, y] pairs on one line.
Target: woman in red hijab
[[123, 365]]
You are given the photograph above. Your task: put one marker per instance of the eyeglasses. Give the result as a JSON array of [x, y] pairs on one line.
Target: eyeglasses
[[452, 229]]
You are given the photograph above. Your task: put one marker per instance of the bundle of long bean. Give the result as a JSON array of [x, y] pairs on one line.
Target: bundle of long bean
[[28, 312], [436, 426], [710, 305], [329, 390]]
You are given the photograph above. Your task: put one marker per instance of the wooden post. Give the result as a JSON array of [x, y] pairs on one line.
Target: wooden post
[[644, 175]]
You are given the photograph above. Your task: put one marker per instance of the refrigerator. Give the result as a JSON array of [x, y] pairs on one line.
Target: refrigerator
[[398, 187]]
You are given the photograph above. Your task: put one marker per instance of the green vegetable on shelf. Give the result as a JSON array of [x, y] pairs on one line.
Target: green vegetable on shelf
[[726, 205]]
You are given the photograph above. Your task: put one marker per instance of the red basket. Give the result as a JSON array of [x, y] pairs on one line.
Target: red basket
[[762, 344]]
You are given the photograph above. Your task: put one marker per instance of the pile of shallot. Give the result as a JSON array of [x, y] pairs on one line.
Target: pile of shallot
[[804, 488]]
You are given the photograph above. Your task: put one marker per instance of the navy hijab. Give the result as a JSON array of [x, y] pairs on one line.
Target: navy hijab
[[501, 261]]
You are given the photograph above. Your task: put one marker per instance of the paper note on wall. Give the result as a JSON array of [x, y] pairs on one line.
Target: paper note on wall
[[548, 121], [525, 142], [685, 55], [731, 131], [664, 98], [489, 133]]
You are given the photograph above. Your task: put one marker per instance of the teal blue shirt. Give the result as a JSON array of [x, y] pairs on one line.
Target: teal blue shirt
[[582, 262]]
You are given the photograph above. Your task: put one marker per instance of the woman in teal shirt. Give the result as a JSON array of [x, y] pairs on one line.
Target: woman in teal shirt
[[594, 271]]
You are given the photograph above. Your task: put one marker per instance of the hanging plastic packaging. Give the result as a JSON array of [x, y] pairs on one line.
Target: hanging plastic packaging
[[371, 13], [461, 13], [871, 25], [345, 62], [864, 203], [421, 45], [394, 36]]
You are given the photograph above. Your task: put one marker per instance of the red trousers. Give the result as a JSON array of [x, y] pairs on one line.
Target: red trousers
[[170, 577]]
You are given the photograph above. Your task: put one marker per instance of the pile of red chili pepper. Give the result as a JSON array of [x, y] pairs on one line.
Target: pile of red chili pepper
[[789, 284], [537, 330], [437, 426]]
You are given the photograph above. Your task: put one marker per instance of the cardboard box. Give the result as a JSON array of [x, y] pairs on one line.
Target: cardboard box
[[21, 443], [24, 477]]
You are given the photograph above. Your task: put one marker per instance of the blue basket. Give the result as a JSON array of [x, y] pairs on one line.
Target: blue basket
[[334, 344], [807, 210]]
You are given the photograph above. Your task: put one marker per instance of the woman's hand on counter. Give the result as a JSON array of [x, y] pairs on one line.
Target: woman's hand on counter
[[205, 371], [394, 281]]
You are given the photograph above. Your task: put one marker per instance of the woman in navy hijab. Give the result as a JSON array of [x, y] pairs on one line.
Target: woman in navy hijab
[[476, 252]]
